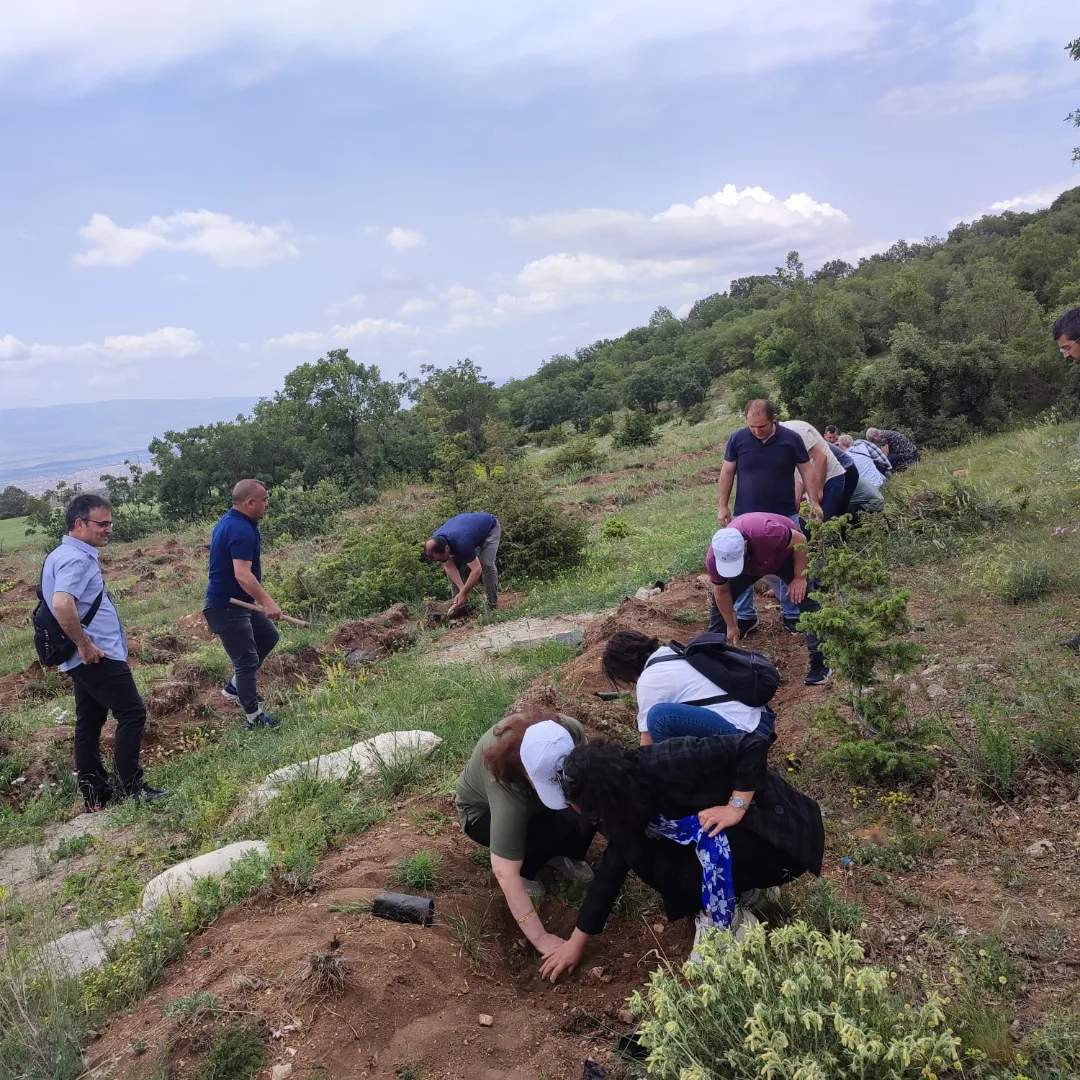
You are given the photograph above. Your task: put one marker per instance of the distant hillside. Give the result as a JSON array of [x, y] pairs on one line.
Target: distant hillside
[[59, 440]]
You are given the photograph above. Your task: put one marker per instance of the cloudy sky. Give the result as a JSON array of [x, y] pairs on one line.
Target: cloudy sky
[[197, 197]]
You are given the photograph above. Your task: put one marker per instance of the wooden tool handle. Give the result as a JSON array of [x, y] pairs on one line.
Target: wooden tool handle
[[257, 607]]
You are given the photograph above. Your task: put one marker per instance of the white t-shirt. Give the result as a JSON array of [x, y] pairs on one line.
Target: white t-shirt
[[678, 681], [811, 437]]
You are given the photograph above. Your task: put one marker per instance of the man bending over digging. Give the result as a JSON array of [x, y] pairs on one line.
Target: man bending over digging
[[236, 574], [466, 546]]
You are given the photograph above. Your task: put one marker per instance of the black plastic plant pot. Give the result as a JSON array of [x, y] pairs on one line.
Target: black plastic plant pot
[[400, 907]]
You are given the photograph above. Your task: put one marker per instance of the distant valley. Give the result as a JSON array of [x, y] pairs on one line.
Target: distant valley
[[40, 446]]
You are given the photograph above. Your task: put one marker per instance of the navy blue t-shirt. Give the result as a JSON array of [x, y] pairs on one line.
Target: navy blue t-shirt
[[766, 470], [465, 533], [236, 536]]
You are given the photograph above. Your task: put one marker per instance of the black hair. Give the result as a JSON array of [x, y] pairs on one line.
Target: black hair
[[625, 655], [1068, 325], [439, 545], [607, 784], [79, 508], [761, 405], [831, 429]]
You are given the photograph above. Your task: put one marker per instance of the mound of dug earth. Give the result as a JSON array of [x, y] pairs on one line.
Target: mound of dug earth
[[391, 630], [404, 1000]]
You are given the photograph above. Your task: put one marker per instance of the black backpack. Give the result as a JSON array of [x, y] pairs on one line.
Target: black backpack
[[747, 676], [52, 645]]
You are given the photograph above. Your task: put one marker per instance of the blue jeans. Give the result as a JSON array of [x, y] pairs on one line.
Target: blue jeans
[[744, 603], [670, 720]]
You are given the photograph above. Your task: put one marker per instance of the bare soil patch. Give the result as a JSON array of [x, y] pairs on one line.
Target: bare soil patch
[[412, 995]]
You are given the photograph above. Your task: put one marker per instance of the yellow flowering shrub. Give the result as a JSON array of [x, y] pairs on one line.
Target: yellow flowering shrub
[[789, 1004]]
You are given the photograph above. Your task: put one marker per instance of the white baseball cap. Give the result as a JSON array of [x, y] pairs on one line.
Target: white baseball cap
[[544, 747], [729, 550]]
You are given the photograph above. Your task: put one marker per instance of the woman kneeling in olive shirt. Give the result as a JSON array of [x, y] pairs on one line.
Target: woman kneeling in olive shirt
[[499, 807]]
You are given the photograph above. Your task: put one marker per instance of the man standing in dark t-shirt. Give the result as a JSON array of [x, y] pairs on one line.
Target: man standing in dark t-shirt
[[764, 456], [236, 573], [467, 545]]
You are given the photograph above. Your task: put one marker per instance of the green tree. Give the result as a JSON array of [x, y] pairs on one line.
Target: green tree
[[637, 430], [1074, 117], [13, 502], [456, 399]]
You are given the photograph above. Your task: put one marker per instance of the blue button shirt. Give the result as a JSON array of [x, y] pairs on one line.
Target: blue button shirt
[[236, 536], [465, 533], [765, 471], [73, 568]]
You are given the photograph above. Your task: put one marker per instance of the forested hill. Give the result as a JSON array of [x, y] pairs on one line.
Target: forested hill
[[942, 338]]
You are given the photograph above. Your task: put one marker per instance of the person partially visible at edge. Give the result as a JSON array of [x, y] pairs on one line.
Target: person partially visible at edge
[[505, 803], [703, 821], [765, 456], [897, 447], [667, 689], [752, 547], [71, 582], [467, 546], [872, 464], [236, 573], [832, 483], [1067, 336]]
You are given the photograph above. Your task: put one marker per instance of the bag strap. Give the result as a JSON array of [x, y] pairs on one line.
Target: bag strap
[[710, 700], [88, 618]]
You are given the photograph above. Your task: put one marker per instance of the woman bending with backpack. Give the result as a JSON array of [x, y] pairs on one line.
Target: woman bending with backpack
[[674, 697], [702, 821]]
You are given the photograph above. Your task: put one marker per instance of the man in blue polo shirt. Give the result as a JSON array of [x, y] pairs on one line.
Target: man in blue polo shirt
[[466, 546], [71, 586], [236, 573], [764, 456]]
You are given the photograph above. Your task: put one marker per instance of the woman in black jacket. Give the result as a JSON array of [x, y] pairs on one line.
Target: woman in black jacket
[[711, 790]]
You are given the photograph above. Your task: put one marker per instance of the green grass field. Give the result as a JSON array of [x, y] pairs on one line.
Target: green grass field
[[13, 534]]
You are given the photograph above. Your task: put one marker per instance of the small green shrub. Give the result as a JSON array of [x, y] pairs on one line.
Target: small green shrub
[[297, 512], [864, 761], [1057, 739], [192, 1006], [745, 387], [602, 425], [419, 871], [580, 453], [239, 1053], [1024, 581], [697, 413], [790, 1002], [615, 529], [552, 436], [822, 907], [994, 756], [638, 429]]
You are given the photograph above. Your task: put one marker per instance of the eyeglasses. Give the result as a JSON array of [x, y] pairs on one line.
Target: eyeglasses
[[100, 524], [1064, 349]]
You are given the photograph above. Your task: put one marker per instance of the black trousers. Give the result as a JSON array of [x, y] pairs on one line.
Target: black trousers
[[101, 688], [248, 637], [550, 833], [674, 872]]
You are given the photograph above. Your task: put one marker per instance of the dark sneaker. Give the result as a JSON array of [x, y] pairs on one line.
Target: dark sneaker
[[1071, 643], [818, 675], [747, 627], [791, 625], [264, 719], [146, 794]]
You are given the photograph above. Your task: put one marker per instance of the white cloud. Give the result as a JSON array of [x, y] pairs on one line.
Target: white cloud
[[122, 350], [402, 239], [462, 298], [352, 303], [343, 334], [1033, 200], [223, 239], [994, 27], [415, 306], [80, 45], [951, 97], [731, 219]]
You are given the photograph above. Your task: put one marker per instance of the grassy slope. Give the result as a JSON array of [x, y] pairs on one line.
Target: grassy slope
[[961, 617], [12, 534]]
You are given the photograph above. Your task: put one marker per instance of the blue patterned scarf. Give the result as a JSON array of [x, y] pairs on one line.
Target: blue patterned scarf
[[714, 854]]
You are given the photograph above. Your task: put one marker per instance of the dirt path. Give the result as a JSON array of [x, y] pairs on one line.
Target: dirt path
[[27, 871]]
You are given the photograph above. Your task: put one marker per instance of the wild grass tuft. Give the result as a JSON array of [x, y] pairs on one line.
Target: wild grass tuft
[[419, 871]]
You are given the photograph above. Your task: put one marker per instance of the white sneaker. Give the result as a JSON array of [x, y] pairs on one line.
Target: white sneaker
[[703, 925], [576, 869], [741, 921], [534, 888]]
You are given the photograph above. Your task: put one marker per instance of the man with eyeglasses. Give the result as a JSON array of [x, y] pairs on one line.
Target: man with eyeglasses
[[71, 584]]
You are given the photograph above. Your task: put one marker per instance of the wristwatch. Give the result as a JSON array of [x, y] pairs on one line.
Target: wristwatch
[[736, 802]]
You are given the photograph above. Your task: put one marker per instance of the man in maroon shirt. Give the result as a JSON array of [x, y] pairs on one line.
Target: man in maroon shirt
[[752, 546]]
